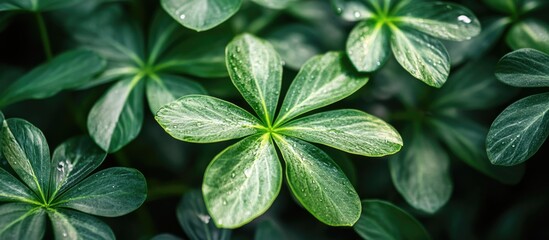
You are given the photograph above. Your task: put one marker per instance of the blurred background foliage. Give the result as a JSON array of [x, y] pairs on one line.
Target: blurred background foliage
[[446, 126]]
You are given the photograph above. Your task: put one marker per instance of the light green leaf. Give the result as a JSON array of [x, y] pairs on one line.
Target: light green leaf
[[68, 70], [256, 71], [323, 80], [72, 161], [295, 43], [519, 131], [269, 230], [26, 149], [383, 220], [472, 87], [195, 220], [12, 190], [242, 182], [116, 118], [420, 172], [529, 33], [201, 15], [318, 183], [163, 89], [368, 45], [199, 54], [103, 193], [441, 19], [69, 224], [348, 130], [422, 56], [466, 139], [524, 68], [21, 221], [275, 4], [204, 119]]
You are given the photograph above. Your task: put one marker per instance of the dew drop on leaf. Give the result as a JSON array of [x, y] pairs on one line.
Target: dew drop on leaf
[[464, 19], [182, 16]]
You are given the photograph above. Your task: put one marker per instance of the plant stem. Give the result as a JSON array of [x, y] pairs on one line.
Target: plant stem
[[44, 35]]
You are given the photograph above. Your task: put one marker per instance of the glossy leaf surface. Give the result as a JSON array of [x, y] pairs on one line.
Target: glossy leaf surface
[[318, 183], [242, 182], [519, 131], [524, 68], [201, 15], [200, 118], [349, 130]]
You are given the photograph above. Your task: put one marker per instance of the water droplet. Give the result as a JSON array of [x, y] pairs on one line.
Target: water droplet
[[464, 19], [61, 166], [113, 186], [339, 10], [224, 202], [247, 172], [233, 175], [356, 14], [513, 145], [182, 16], [64, 234], [204, 218]]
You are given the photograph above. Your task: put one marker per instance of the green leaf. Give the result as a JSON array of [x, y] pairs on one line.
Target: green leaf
[[204, 119], [318, 183], [479, 45], [66, 71], [368, 45], [163, 33], [295, 43], [163, 89], [524, 68], [26, 149], [12, 190], [242, 182], [1, 120], [383, 220], [107, 30], [269, 230], [529, 33], [466, 139], [195, 220], [201, 15], [198, 54], [519, 131], [420, 172], [103, 193], [35, 5], [21, 221], [440, 19], [422, 56], [256, 71], [72, 161], [69, 224], [472, 87], [323, 80], [275, 4], [348, 130], [116, 118]]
